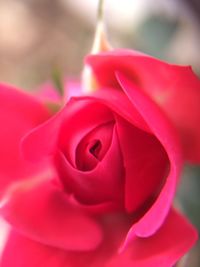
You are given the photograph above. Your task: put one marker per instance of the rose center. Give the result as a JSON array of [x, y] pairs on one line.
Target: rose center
[[95, 148]]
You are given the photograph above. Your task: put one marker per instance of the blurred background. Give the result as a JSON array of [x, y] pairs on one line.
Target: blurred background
[[38, 36]]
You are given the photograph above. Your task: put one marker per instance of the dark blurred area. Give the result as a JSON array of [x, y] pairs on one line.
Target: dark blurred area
[[194, 6], [37, 36]]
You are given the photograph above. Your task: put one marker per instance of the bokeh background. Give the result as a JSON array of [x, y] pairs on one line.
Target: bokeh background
[[39, 36]]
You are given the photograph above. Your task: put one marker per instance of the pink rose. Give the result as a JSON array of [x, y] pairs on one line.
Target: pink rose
[[99, 176]]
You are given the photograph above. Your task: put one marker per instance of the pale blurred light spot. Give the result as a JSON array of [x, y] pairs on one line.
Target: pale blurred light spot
[[17, 30], [4, 231], [118, 13]]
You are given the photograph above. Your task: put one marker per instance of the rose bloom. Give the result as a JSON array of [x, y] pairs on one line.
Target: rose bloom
[[92, 185]]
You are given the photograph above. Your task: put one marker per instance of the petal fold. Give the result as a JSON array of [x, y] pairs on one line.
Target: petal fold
[[146, 165], [23, 252], [162, 129], [164, 248], [43, 213]]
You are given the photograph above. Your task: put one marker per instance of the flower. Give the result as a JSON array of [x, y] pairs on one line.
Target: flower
[[114, 159]]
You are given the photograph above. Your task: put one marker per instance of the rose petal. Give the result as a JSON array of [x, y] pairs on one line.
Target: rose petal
[[165, 133], [145, 162], [93, 147], [23, 252], [162, 129], [20, 112], [44, 140], [101, 184], [175, 89], [101, 208], [105, 64], [26, 252], [65, 131], [43, 213], [164, 248], [118, 102], [81, 118]]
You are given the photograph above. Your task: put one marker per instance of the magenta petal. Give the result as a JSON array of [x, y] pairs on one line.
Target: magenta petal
[[64, 130], [41, 141], [105, 64], [101, 184], [20, 113], [176, 89], [82, 116], [162, 249], [23, 252], [162, 129], [146, 165], [101, 208], [175, 237], [44, 214], [118, 102]]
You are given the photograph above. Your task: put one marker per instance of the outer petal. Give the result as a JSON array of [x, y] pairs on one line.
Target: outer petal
[[19, 112], [23, 252], [176, 89], [43, 213], [164, 248], [146, 165], [161, 128]]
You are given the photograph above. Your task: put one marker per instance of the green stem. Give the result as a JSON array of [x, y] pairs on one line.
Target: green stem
[[100, 11]]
